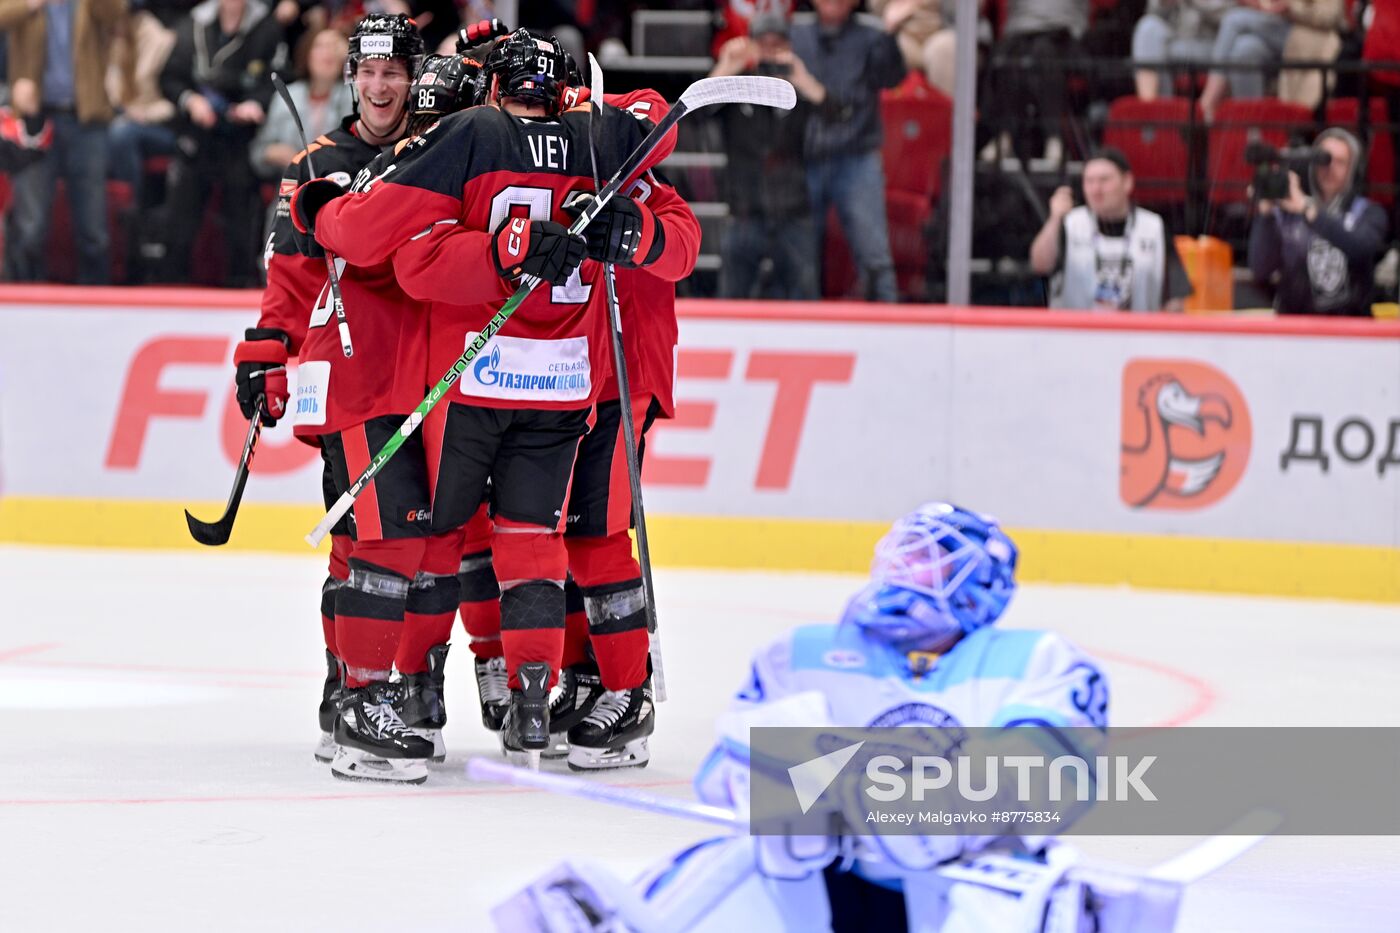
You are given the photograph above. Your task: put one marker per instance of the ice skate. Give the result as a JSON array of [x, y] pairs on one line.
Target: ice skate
[[492, 690], [573, 696], [373, 744], [614, 733], [330, 696], [525, 732], [422, 708]]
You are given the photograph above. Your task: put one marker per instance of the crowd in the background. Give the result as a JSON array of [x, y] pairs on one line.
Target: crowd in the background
[[141, 142]]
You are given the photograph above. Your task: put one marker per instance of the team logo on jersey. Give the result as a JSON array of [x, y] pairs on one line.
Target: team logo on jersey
[[1186, 435], [917, 714], [843, 658]]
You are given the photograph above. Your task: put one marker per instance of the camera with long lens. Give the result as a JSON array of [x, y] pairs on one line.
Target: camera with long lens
[[1272, 165]]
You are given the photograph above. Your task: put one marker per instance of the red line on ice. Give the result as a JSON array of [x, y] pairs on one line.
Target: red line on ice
[[294, 798], [11, 653]]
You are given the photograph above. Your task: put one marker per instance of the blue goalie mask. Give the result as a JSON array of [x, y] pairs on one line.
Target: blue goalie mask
[[941, 572]]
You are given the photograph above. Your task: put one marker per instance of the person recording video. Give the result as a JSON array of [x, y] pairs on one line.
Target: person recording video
[[1318, 251]]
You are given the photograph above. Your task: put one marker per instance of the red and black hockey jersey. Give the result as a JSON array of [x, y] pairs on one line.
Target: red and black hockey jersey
[[294, 280], [385, 376], [432, 211]]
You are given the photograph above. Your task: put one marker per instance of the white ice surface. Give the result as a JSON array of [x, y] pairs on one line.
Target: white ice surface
[[158, 715]]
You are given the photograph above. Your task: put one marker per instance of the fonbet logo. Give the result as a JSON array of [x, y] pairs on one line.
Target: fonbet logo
[[1186, 435]]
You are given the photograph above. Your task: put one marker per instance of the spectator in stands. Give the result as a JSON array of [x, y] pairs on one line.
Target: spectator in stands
[[143, 128], [219, 77], [853, 62], [1320, 252], [1174, 31], [922, 20], [63, 47], [1029, 85], [1255, 33], [1108, 255], [322, 99], [770, 214]]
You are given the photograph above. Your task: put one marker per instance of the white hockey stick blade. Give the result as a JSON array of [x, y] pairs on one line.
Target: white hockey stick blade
[[485, 769], [1218, 851], [740, 89], [595, 80]]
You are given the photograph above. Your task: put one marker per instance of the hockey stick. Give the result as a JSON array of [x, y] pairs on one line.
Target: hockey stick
[[629, 431], [337, 302], [216, 533], [487, 770], [757, 90]]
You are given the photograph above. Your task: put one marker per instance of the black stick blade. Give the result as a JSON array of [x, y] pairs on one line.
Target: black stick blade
[[211, 534]]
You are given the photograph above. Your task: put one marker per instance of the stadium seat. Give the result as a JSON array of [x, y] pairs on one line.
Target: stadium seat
[[1380, 155], [1237, 124], [1152, 134]]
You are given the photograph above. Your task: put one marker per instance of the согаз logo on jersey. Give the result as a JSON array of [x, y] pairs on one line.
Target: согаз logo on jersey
[[1185, 435]]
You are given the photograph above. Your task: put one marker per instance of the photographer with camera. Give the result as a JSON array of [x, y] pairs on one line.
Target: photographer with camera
[[1318, 252], [770, 213]]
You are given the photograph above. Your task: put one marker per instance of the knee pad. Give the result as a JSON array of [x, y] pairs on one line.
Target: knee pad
[[371, 593], [532, 604], [433, 594], [476, 575], [402, 556], [527, 553], [615, 608], [602, 561]]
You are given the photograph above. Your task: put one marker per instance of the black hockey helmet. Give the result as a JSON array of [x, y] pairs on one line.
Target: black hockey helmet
[[528, 68], [445, 84], [381, 35]]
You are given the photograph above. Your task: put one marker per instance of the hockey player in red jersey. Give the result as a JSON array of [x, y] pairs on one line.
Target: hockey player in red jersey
[[294, 279], [482, 193]]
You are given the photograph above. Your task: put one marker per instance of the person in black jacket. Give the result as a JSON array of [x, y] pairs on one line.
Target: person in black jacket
[[219, 76], [770, 213], [1320, 252], [853, 62]]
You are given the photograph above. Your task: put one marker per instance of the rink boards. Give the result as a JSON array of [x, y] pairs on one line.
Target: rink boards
[[1235, 454]]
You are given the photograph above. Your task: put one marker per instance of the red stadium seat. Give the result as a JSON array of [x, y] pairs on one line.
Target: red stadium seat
[[1237, 124], [918, 136], [1152, 134], [1380, 155]]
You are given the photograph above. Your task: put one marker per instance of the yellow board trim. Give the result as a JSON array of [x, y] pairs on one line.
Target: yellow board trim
[[1280, 568]]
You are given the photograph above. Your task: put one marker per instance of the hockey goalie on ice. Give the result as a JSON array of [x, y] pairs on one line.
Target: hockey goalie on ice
[[918, 649]]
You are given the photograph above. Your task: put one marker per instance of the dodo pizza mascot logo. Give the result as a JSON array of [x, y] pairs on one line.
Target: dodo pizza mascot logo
[[1186, 435]]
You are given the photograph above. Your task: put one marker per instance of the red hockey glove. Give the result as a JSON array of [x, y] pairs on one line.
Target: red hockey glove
[[483, 30], [625, 232], [308, 200], [262, 370], [540, 248]]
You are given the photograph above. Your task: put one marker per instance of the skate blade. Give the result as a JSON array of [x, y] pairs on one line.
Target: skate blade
[[634, 754], [354, 765], [325, 749], [528, 758], [559, 747]]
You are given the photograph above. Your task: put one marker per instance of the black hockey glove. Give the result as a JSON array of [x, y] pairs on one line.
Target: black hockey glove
[[540, 248], [625, 232], [262, 371], [308, 200]]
